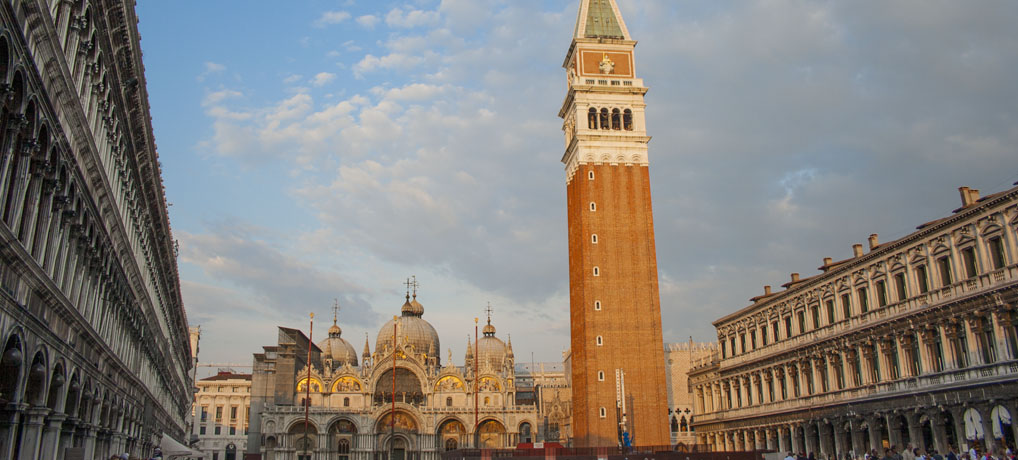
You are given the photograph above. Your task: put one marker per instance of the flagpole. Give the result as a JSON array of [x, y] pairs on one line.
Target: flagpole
[[307, 383], [392, 415], [477, 357]]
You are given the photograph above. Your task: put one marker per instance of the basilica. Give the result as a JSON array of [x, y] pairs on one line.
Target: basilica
[[400, 397]]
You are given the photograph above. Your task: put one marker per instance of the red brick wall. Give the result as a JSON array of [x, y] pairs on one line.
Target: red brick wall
[[630, 317]]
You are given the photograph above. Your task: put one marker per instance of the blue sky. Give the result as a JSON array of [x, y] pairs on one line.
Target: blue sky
[[329, 149]]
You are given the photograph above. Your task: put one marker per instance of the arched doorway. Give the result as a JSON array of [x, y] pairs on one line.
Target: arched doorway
[[270, 448], [1001, 422], [341, 438], [525, 435], [303, 444], [491, 435], [231, 451], [451, 434], [10, 371]]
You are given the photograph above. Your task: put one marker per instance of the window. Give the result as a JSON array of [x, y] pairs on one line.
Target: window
[[774, 326], [784, 388], [938, 352], [219, 413], [913, 356], [944, 265], [732, 343], [899, 285], [201, 429], [881, 294], [597, 305], [604, 119], [864, 300], [603, 413], [600, 341], [219, 429], [815, 310], [839, 374], [846, 305], [961, 349], [448, 401], [593, 238], [801, 316], [788, 326], [968, 257], [922, 278], [627, 120], [346, 402], [233, 430], [724, 353], [233, 412], [600, 376], [593, 206], [487, 401], [857, 367], [763, 336], [204, 413], [742, 343], [997, 253], [597, 271], [988, 342], [875, 365], [590, 175], [215, 456], [616, 119], [752, 339], [830, 311], [892, 362], [592, 118]]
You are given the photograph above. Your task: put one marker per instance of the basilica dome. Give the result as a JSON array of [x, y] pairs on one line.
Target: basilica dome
[[411, 329], [337, 349], [490, 349]]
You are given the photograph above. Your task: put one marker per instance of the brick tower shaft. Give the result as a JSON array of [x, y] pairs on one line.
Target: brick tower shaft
[[615, 313]]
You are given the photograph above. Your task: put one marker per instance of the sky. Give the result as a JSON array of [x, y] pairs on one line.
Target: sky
[[328, 150]]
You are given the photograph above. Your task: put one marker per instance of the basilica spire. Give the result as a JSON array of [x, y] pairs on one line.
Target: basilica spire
[[600, 19]]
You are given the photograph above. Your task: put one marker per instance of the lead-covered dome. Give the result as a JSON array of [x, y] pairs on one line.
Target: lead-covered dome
[[410, 329], [490, 349], [337, 349]]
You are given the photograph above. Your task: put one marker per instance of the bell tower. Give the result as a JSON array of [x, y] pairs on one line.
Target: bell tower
[[614, 305]]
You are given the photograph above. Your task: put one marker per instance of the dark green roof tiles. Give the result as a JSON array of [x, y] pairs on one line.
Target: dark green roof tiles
[[601, 20]]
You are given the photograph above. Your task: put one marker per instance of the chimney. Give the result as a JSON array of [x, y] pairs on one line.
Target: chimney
[[966, 197], [973, 195], [827, 263], [795, 277], [857, 250], [767, 290], [874, 241]]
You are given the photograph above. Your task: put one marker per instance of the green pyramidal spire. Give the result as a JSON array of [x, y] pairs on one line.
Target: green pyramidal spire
[[599, 19]]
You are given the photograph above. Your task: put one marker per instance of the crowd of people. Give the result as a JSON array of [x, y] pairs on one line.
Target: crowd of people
[[913, 453]]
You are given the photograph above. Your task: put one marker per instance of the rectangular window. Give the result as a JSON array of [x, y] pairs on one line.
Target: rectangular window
[[961, 348], [839, 373], [788, 326], [968, 256], [215, 456], [204, 413], [801, 316], [816, 316], [914, 357], [731, 343], [219, 413], [881, 294], [989, 342], [824, 385], [201, 429], [233, 430], [763, 335], [846, 305], [875, 365], [219, 429], [724, 353], [784, 389], [944, 265], [774, 326], [997, 253], [830, 312], [864, 300], [892, 362], [857, 367], [742, 343], [922, 279], [899, 285], [770, 390], [938, 353], [233, 413], [752, 339]]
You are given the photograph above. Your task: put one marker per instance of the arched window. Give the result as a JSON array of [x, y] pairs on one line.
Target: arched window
[[600, 376], [616, 119], [346, 402], [602, 412], [592, 118], [683, 425], [600, 341], [590, 175], [593, 206], [344, 449], [604, 119], [627, 120], [450, 444], [593, 238], [448, 401], [597, 271], [675, 424], [597, 305]]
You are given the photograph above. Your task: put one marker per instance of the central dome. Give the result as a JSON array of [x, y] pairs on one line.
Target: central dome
[[490, 349], [411, 329]]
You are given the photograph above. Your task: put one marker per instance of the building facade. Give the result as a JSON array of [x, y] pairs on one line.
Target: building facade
[[401, 398], [95, 353], [614, 303], [912, 342], [223, 413], [679, 359]]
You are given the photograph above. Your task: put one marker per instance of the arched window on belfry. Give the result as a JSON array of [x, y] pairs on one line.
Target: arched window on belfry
[[627, 120], [592, 118], [675, 424], [604, 119], [616, 119]]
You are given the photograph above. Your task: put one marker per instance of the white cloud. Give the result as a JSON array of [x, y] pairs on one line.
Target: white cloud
[[332, 17], [397, 17], [293, 78], [323, 78], [211, 68], [391, 61], [368, 20]]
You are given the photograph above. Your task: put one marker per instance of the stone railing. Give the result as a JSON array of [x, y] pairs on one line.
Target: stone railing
[[974, 374], [954, 291]]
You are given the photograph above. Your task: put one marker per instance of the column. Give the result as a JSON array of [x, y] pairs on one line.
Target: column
[[771, 443], [984, 414], [89, 440], [894, 431], [915, 432], [937, 421], [1001, 320], [858, 440], [783, 444], [948, 334], [839, 440], [876, 441], [797, 439], [867, 364], [51, 436], [765, 383], [31, 432], [957, 415], [926, 364]]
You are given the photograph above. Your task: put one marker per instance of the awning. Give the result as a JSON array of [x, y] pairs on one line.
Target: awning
[[171, 448]]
